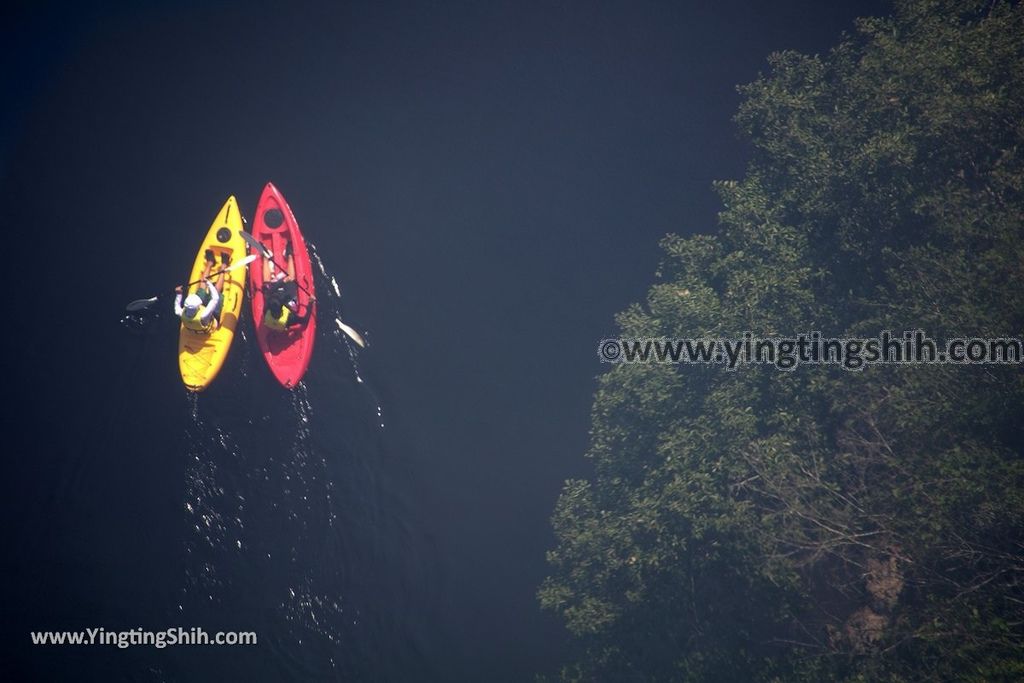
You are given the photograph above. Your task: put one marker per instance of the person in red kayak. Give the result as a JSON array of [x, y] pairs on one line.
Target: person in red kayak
[[281, 296], [200, 312]]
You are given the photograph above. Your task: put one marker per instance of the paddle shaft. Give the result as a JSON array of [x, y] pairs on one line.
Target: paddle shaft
[[139, 304]]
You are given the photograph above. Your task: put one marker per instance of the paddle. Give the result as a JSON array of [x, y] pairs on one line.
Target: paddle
[[140, 304], [356, 337], [266, 253]]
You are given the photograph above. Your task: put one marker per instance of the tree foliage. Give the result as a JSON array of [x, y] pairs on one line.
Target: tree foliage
[[823, 524]]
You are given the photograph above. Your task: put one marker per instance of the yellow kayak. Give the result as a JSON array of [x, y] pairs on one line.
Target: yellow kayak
[[201, 354]]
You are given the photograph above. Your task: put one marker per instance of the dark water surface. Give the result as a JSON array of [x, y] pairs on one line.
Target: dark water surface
[[486, 183]]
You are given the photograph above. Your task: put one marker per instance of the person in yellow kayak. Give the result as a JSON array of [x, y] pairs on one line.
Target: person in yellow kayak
[[200, 312], [281, 294]]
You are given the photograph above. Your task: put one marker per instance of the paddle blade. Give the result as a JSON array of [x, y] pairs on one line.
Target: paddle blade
[[255, 244], [240, 263], [141, 304], [351, 332]]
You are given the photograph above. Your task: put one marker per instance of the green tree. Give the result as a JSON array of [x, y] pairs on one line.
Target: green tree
[[824, 524]]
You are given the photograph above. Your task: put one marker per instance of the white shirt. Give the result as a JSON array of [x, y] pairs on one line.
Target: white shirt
[[207, 311]]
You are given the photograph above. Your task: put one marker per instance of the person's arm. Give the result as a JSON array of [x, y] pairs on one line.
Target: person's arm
[[178, 308], [211, 307], [297, 319]]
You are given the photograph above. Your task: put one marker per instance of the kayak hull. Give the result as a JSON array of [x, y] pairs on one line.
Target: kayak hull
[[287, 353], [201, 355]]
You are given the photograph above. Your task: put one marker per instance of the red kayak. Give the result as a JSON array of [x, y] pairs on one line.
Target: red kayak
[[287, 351]]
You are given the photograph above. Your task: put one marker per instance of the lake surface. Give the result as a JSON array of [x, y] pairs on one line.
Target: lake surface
[[486, 183]]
